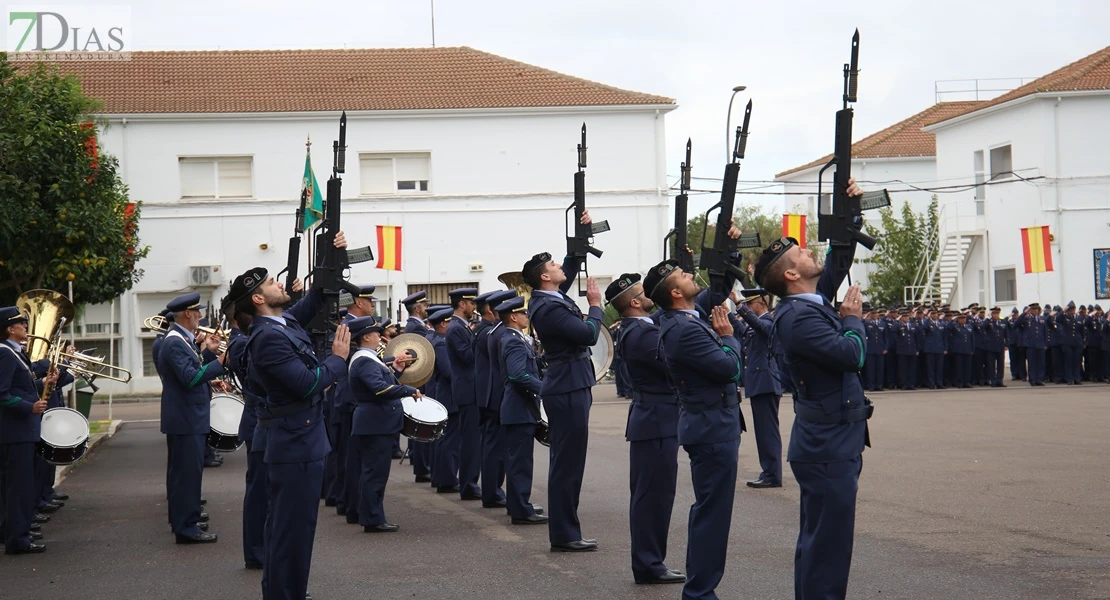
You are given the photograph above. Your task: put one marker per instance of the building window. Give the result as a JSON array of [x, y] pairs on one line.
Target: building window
[[1002, 162], [980, 180], [437, 292], [148, 358], [1005, 285], [216, 177], [982, 300], [406, 173]]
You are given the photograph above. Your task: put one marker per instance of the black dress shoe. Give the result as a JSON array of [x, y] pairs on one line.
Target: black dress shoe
[[352, 519], [398, 454], [329, 502], [469, 498], [341, 510], [35, 536], [382, 528], [36, 527], [202, 526], [213, 464], [670, 576], [201, 538], [203, 501], [576, 546], [48, 508], [253, 566], [764, 483], [423, 479], [62, 497], [536, 508], [498, 504], [40, 518], [32, 549], [203, 517], [447, 489], [531, 520]]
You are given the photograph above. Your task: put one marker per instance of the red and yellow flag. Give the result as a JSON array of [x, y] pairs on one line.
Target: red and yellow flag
[[389, 247], [794, 226], [1036, 245]]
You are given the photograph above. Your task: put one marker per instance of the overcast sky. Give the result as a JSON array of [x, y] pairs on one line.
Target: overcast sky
[[789, 54]]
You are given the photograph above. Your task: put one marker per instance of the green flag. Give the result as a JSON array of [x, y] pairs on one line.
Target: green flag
[[314, 204]]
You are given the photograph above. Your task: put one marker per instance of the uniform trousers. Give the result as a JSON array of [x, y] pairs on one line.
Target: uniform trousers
[[823, 556], [185, 477], [873, 371], [445, 466], [934, 370], [470, 451], [652, 477], [44, 481], [568, 418], [291, 529], [340, 440], [995, 369], [420, 456], [907, 371], [891, 369], [255, 505], [17, 464], [493, 458], [331, 462], [768, 437], [1072, 355], [519, 446], [1055, 364], [961, 364], [979, 367], [1017, 362], [1035, 358], [352, 467], [713, 475], [376, 452]]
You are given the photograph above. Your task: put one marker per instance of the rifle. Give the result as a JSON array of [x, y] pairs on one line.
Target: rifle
[[681, 251], [841, 223], [580, 244], [717, 259], [331, 262], [292, 263]]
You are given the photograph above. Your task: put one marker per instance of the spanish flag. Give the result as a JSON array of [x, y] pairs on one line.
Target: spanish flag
[[389, 247], [794, 226], [1036, 245]]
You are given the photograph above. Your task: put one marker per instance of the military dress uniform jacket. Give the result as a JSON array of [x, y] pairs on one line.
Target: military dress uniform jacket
[[378, 393], [460, 347], [186, 395], [703, 368], [341, 393], [496, 381], [654, 411], [18, 393], [565, 336], [414, 325], [283, 364], [1069, 330], [876, 336], [761, 372], [960, 340], [522, 383], [823, 355], [994, 336], [482, 362], [236, 363], [439, 386], [905, 343], [936, 338], [1034, 331]]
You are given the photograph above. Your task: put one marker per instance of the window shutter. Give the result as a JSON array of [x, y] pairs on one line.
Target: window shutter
[[198, 178], [376, 175], [235, 177]]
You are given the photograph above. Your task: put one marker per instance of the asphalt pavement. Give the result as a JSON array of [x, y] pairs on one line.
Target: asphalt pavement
[[983, 494]]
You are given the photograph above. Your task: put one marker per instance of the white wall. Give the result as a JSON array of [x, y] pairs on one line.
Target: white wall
[[1068, 144], [500, 183]]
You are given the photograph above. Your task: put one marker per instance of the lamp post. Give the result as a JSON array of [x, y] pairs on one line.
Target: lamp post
[[728, 123]]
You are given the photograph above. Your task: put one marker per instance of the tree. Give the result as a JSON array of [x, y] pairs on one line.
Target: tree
[[66, 216], [903, 245]]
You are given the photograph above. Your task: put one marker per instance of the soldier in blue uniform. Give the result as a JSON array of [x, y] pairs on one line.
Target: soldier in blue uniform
[[891, 371], [1104, 325], [1015, 350], [976, 317], [420, 453], [874, 365], [567, 394], [906, 347], [186, 398], [493, 446], [417, 307], [1034, 338], [934, 348], [703, 365], [461, 349], [283, 365], [652, 431], [825, 349], [961, 346], [445, 450], [761, 385], [1054, 355], [20, 429], [345, 452], [1095, 337], [378, 418], [1070, 338], [994, 345], [45, 473], [519, 410]]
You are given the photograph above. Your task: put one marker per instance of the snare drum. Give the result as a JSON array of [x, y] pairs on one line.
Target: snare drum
[[425, 419], [223, 422], [543, 433], [65, 436]]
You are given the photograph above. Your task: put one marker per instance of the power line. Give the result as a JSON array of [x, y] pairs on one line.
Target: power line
[[943, 189]]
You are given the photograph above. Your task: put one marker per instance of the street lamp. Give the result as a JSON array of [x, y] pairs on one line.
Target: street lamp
[[728, 123]]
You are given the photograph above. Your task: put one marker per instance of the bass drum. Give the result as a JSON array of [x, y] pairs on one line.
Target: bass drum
[[602, 354], [425, 419], [223, 422], [65, 436], [543, 432]]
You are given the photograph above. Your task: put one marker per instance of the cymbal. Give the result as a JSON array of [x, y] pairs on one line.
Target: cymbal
[[419, 371], [602, 353]]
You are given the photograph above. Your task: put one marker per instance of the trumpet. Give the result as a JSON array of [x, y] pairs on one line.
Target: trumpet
[[157, 324], [223, 334]]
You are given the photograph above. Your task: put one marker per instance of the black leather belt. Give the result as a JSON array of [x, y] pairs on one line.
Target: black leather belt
[[851, 415], [292, 409], [727, 400], [648, 397]]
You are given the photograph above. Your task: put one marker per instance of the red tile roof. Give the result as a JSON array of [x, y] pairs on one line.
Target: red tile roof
[[1088, 73], [234, 81], [903, 139]]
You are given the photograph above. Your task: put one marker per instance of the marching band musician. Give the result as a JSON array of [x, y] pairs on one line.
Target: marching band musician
[[377, 420], [519, 410], [45, 473], [493, 450], [20, 430], [652, 431], [417, 307], [445, 450], [284, 366], [348, 461], [186, 398], [212, 459], [762, 387], [420, 453], [460, 347]]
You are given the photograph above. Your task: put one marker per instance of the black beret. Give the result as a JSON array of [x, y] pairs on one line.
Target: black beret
[[245, 284], [771, 254], [536, 262], [621, 285], [657, 274]]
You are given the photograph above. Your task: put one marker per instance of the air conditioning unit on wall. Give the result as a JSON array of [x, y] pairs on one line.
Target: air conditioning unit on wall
[[205, 276]]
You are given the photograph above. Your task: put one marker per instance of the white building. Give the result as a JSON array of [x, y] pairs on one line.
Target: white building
[[895, 158], [1043, 152], [471, 154]]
